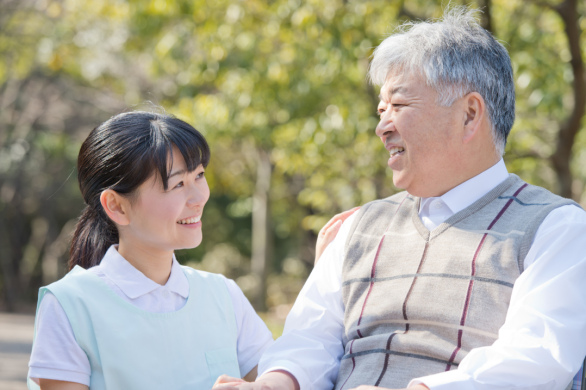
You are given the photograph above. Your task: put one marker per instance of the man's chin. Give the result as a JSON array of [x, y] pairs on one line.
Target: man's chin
[[399, 182]]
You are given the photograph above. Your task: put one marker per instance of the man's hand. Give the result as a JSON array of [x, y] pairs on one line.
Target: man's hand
[[274, 380], [329, 232]]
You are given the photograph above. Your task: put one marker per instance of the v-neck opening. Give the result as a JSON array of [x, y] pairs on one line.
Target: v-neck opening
[[429, 235]]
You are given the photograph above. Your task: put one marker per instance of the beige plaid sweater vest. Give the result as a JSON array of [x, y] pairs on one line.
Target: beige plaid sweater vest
[[416, 302]]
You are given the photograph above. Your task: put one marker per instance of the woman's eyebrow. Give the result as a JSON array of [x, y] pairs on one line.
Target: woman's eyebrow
[[179, 172]]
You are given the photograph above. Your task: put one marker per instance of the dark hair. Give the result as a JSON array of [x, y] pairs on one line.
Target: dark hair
[[121, 154]]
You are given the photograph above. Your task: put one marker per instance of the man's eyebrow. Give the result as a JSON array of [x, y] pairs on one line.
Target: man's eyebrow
[[398, 89], [179, 172], [393, 91]]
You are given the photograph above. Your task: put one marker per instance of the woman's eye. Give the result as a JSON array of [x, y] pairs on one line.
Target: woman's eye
[[200, 175], [179, 185]]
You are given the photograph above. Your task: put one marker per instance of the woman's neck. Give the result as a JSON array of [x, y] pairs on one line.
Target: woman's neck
[[154, 265]]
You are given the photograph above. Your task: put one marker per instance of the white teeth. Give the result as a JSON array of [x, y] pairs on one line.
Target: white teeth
[[189, 220], [395, 150]]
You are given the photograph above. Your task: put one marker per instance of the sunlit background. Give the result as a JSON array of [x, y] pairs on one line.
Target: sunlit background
[[278, 88]]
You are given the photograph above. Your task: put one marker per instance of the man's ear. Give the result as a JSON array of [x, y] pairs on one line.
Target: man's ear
[[474, 115], [116, 206]]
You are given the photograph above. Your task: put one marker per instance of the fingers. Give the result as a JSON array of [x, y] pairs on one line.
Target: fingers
[[341, 217], [329, 232], [325, 237], [228, 381]]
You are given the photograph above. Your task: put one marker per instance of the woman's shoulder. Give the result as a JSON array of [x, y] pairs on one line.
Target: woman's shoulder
[[199, 276], [76, 278], [233, 288], [190, 271]]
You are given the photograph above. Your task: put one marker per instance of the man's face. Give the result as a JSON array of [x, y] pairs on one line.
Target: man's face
[[423, 139]]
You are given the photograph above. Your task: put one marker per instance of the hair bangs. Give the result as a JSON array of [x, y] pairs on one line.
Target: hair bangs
[[175, 133]]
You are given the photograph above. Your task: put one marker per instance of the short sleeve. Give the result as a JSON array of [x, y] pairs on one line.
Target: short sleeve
[[56, 354]]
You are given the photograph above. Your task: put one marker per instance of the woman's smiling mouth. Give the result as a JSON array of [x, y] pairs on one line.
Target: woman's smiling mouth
[[189, 221]]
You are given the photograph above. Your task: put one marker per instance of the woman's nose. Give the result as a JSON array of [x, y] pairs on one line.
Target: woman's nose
[[199, 195]]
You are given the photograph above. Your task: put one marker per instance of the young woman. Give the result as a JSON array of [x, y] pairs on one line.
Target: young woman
[[127, 315]]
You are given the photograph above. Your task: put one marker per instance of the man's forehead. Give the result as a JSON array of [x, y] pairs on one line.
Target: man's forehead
[[391, 90], [399, 82]]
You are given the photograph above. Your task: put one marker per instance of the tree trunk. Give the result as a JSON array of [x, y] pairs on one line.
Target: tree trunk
[[7, 271], [261, 229], [568, 10]]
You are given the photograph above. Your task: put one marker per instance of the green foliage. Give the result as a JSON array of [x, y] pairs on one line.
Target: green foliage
[[284, 77]]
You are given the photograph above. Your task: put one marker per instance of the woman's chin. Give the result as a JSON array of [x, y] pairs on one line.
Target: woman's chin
[[194, 243]]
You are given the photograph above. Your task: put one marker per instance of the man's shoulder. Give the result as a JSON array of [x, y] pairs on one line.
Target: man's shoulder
[[391, 201], [386, 204], [536, 195], [372, 211]]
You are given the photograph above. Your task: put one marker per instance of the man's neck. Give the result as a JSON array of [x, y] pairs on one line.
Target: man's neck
[[469, 191]]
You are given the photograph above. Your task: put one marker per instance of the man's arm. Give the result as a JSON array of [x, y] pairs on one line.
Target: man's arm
[[309, 352], [541, 344]]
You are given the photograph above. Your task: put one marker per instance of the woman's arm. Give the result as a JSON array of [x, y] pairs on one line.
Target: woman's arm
[[251, 376], [55, 354], [50, 384]]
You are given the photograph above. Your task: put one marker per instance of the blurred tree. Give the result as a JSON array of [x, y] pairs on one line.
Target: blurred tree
[[41, 114], [551, 91], [279, 89]]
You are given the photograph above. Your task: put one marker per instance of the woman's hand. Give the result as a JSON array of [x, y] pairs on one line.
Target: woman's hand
[[329, 232], [274, 380], [415, 387], [228, 381]]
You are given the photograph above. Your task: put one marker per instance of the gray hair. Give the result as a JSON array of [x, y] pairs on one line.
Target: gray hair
[[456, 56]]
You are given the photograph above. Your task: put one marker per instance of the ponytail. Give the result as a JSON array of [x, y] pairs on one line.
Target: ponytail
[[94, 234]]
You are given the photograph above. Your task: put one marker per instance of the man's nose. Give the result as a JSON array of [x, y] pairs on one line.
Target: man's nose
[[385, 126]]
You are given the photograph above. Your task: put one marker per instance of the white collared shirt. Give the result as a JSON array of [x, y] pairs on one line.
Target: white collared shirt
[[56, 354], [540, 346], [434, 211]]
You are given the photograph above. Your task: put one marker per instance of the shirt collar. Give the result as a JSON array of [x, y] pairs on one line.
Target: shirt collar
[[463, 195], [134, 283]]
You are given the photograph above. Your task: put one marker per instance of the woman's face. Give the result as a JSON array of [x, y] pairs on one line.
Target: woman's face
[[162, 221]]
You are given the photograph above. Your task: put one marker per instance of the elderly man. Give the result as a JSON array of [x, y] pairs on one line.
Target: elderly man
[[471, 278]]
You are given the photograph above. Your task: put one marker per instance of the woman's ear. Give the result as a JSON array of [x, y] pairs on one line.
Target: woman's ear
[[116, 206], [475, 113]]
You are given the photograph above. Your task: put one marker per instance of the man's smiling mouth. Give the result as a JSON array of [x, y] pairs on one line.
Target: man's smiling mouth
[[395, 151]]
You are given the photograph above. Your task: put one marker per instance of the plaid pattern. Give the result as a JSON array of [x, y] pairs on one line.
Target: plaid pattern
[[577, 381], [417, 301]]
